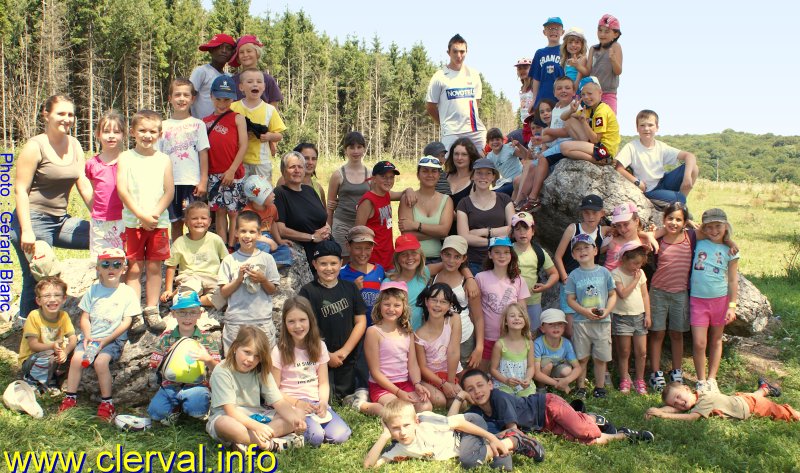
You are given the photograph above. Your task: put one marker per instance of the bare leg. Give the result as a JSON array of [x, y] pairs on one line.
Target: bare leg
[[699, 342], [153, 282], [177, 229], [655, 344], [103, 373], [584, 369], [221, 224], [599, 373], [542, 170], [132, 277], [75, 373], [714, 350], [581, 150], [575, 130], [623, 356], [640, 355], [437, 396], [676, 342]]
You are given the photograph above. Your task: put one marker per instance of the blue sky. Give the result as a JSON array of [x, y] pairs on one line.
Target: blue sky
[[703, 66]]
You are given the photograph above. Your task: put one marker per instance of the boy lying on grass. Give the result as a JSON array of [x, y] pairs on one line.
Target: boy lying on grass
[[683, 404]]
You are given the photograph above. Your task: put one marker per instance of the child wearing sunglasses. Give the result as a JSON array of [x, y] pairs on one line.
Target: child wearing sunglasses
[[108, 308]]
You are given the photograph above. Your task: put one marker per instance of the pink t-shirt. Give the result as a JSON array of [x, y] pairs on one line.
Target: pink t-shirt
[[393, 356], [107, 204], [674, 264], [496, 295], [300, 379]]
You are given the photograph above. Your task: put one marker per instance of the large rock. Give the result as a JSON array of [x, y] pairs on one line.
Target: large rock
[[753, 312], [133, 380]]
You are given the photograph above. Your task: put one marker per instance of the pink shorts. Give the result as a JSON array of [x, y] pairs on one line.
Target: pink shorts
[[149, 245], [610, 99], [376, 390], [488, 346], [707, 312]]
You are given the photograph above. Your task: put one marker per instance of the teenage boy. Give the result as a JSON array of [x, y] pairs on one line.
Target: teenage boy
[[340, 313], [220, 48], [594, 128], [649, 158], [454, 94], [546, 64], [375, 211], [590, 293], [248, 278]]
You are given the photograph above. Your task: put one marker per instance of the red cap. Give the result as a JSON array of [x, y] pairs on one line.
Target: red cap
[[246, 39], [218, 40], [609, 20], [406, 242], [111, 253]]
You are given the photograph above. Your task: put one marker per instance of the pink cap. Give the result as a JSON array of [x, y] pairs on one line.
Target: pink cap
[[623, 213], [246, 39], [628, 246], [610, 21], [522, 217], [524, 61], [401, 285]]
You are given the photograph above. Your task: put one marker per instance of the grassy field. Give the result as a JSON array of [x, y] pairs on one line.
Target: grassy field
[[765, 229]]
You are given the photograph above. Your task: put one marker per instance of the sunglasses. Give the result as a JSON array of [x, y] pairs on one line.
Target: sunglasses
[[109, 264], [429, 160]]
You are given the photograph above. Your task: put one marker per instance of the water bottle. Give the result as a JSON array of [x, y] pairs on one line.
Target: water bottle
[[92, 349], [262, 418]]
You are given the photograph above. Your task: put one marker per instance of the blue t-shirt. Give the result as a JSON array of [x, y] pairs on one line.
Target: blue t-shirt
[[371, 286], [591, 288], [527, 412], [506, 163], [571, 72], [415, 287], [710, 269], [563, 353], [546, 68]]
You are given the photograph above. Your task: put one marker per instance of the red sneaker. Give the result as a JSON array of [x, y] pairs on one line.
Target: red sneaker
[[106, 411], [67, 403]]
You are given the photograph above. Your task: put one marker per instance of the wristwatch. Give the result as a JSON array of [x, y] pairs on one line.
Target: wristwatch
[[312, 238], [637, 183]]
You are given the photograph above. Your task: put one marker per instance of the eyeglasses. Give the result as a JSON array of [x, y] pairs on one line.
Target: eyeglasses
[[188, 313], [552, 28], [109, 264], [45, 297]]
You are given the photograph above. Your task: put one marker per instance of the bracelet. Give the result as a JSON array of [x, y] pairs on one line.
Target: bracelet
[[489, 232], [470, 277], [732, 305], [419, 227], [396, 391]]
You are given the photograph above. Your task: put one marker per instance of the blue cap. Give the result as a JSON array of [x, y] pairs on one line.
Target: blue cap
[[587, 80], [582, 238], [553, 20], [500, 241], [185, 300], [222, 88]]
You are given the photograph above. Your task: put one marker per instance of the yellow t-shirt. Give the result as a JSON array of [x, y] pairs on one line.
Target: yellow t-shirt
[[264, 114], [602, 120], [44, 330], [527, 269], [201, 256]]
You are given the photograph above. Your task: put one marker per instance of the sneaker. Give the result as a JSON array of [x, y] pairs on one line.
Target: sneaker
[[603, 424], [137, 326], [68, 403], [106, 411], [153, 319], [355, 400], [701, 386], [526, 445], [771, 389], [170, 419], [599, 393], [712, 385], [287, 442], [637, 435], [657, 381], [676, 376], [640, 387], [580, 393], [625, 386]]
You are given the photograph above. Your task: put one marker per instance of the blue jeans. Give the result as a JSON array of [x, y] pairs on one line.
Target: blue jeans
[[60, 232], [475, 268], [333, 431], [282, 255], [193, 400], [668, 188], [507, 188]]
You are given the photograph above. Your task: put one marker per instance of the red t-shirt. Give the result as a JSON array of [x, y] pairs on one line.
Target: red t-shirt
[[224, 144], [380, 222]]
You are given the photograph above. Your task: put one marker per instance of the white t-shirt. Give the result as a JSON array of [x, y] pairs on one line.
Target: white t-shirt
[[202, 77], [633, 304], [244, 306], [648, 164], [434, 440], [145, 180], [107, 306], [456, 94], [182, 140], [555, 120]]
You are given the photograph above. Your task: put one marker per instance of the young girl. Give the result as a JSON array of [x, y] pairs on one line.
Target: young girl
[[345, 189], [714, 289], [522, 230], [573, 55], [536, 122], [239, 386], [500, 284], [631, 315], [606, 59], [409, 267], [438, 343], [391, 357], [626, 224], [512, 356], [454, 261], [300, 369], [106, 225]]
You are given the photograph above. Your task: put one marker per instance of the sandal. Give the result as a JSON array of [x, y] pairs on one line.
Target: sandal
[[518, 206], [532, 205]]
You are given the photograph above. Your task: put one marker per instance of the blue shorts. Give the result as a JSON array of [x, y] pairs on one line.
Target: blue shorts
[[113, 349], [184, 195]]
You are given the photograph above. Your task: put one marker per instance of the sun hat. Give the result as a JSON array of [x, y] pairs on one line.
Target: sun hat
[[20, 396], [524, 217], [185, 300], [429, 162], [218, 40], [610, 21], [456, 242], [360, 233], [406, 242], [623, 213], [401, 285], [42, 262], [245, 39], [500, 241], [257, 189], [222, 88], [553, 316]]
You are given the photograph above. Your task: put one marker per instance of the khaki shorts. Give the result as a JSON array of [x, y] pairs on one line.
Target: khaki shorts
[[229, 332], [264, 169], [628, 325], [592, 338], [467, 347], [339, 232], [202, 284], [669, 309]]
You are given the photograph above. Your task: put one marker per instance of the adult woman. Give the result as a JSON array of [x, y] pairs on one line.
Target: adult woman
[[246, 56], [47, 168], [483, 214], [301, 215], [310, 153], [431, 218], [458, 167]]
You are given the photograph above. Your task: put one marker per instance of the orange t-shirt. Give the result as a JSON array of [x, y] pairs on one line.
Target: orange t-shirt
[[268, 215]]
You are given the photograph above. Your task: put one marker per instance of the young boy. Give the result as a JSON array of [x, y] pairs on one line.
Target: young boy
[[248, 278], [227, 138], [366, 276], [48, 336], [172, 398], [532, 259], [554, 360], [107, 308], [505, 158], [375, 211], [590, 293], [260, 199], [340, 313], [257, 158], [220, 48], [679, 399], [648, 158], [430, 436], [197, 256], [546, 64], [145, 199], [537, 413], [594, 129]]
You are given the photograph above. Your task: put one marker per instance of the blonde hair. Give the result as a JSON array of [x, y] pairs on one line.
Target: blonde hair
[[504, 318], [404, 320], [146, 115], [312, 340], [398, 408], [420, 271], [247, 336], [259, 50], [565, 54]]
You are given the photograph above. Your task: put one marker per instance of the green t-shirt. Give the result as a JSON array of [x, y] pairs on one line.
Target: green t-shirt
[[201, 256], [527, 268], [229, 386]]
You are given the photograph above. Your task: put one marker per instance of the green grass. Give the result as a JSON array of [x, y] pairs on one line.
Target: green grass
[[762, 216]]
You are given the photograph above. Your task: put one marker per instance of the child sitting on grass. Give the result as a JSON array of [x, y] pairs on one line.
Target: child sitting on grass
[[683, 404], [554, 357], [512, 355]]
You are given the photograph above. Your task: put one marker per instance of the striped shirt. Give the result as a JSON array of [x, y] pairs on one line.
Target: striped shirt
[[674, 262]]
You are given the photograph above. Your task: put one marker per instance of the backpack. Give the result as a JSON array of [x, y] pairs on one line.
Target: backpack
[[537, 248], [178, 367]]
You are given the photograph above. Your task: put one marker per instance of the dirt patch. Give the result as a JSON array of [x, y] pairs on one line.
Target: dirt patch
[[760, 355]]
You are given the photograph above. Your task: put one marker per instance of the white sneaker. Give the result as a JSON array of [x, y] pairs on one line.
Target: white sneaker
[[287, 442], [355, 400], [701, 386], [712, 385]]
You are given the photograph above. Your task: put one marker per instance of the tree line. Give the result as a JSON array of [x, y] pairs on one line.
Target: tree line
[[123, 54]]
